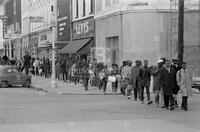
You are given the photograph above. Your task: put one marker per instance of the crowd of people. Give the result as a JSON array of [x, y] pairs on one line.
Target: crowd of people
[[168, 78]]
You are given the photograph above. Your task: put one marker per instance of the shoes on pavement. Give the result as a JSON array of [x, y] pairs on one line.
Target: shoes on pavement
[[163, 106], [150, 102], [128, 97], [172, 108]]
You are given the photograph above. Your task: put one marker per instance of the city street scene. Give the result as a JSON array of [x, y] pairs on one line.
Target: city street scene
[[99, 65]]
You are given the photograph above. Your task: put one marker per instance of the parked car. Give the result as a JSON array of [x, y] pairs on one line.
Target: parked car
[[196, 80], [10, 76]]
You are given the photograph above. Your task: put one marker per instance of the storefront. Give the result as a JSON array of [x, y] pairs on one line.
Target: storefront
[[44, 44], [82, 39], [33, 45]]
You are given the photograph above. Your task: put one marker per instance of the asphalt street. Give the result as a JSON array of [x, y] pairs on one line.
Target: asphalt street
[[26, 110]]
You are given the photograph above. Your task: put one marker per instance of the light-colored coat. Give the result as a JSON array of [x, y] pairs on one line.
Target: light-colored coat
[[184, 82]]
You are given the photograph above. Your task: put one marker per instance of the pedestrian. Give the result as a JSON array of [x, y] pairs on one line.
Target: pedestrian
[[177, 67], [27, 63], [47, 68], [155, 72], [63, 69], [85, 76], [67, 76], [36, 64], [135, 80], [58, 70], [167, 77], [91, 74], [114, 73], [104, 78], [145, 79], [184, 82]]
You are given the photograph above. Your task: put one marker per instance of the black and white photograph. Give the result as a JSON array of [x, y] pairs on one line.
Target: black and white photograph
[[99, 65]]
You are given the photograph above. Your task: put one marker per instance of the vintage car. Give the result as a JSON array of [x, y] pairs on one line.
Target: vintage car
[[9, 76], [196, 80]]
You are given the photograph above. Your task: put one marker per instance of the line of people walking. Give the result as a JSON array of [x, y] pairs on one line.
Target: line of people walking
[[169, 78]]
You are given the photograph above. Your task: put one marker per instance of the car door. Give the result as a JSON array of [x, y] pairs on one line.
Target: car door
[[11, 77], [18, 76]]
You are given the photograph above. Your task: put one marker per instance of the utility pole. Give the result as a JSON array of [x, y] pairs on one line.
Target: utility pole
[[181, 30]]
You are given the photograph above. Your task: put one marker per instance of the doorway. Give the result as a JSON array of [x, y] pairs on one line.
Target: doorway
[[112, 45]]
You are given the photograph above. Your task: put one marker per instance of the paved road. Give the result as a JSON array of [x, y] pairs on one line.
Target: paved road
[[26, 110]]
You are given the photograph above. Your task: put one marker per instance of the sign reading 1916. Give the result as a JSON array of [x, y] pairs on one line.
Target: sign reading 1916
[[83, 28]]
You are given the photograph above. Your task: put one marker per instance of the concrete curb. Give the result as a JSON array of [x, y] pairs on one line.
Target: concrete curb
[[60, 93]]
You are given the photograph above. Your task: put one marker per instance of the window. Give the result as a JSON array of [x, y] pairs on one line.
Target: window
[[77, 9], [83, 7], [91, 7]]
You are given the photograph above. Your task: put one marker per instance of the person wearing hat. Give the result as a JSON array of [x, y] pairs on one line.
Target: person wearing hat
[[168, 83], [177, 67], [184, 78]]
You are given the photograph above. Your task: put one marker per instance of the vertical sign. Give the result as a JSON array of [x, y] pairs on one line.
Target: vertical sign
[[63, 33]]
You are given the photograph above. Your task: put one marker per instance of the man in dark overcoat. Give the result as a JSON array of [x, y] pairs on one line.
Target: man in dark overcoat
[[168, 82]]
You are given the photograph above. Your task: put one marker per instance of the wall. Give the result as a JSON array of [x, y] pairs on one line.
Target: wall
[[105, 28], [144, 36]]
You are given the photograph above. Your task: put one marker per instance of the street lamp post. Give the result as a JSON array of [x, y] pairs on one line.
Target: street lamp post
[[53, 27]]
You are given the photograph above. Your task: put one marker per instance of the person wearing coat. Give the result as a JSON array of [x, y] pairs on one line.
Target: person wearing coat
[[184, 82], [155, 72], [85, 76], [135, 80], [168, 82], [145, 79], [177, 67], [114, 72]]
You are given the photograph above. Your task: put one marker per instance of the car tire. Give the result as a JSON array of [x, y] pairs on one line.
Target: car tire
[[4, 84], [27, 83]]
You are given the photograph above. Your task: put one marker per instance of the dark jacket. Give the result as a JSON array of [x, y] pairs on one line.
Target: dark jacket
[[176, 89], [145, 76], [168, 80]]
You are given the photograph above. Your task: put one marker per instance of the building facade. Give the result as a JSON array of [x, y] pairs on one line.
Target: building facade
[[137, 29], [13, 23], [83, 27]]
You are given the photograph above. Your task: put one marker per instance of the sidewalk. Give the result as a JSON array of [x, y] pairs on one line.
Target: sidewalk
[[44, 84]]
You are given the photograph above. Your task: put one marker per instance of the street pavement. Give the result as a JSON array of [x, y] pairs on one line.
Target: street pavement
[[44, 84], [28, 110], [41, 83]]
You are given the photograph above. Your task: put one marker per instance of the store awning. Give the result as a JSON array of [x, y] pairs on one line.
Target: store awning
[[86, 48], [74, 46]]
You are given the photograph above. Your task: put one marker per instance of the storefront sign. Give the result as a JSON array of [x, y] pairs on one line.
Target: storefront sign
[[63, 18], [45, 39], [83, 28]]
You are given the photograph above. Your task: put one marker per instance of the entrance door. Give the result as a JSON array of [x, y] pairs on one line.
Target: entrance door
[[112, 44]]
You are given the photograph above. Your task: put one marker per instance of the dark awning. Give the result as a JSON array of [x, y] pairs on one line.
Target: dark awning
[[86, 49], [74, 46]]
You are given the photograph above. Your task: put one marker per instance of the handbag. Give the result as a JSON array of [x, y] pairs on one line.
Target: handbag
[[112, 78]]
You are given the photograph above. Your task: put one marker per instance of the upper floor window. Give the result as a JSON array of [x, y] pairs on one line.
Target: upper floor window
[[91, 6], [84, 7], [77, 11]]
